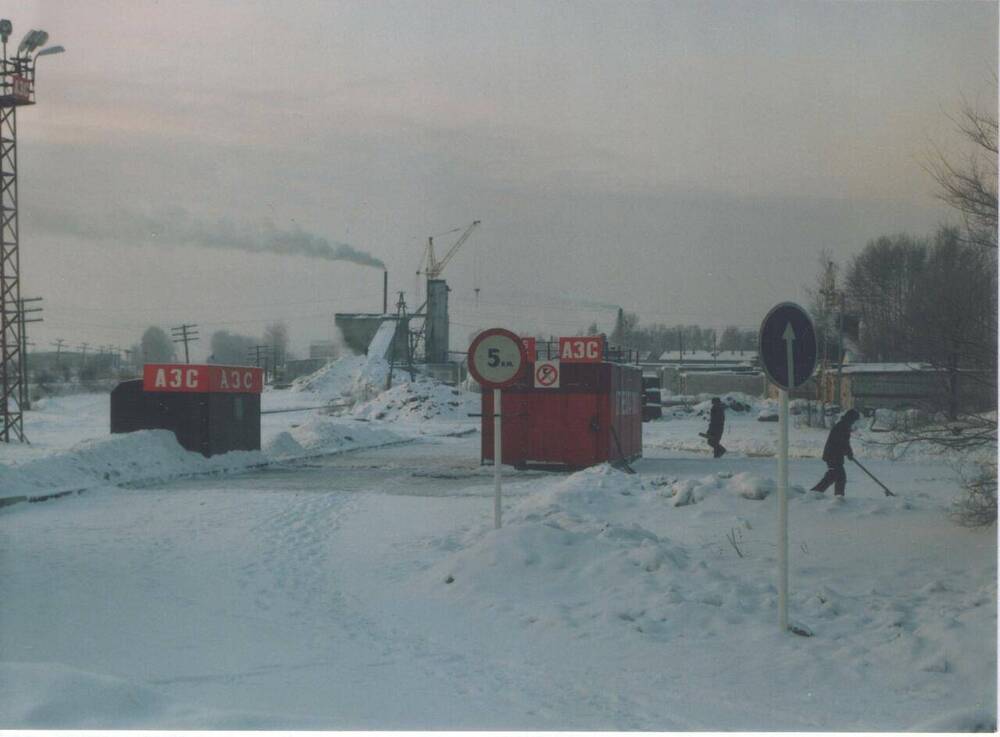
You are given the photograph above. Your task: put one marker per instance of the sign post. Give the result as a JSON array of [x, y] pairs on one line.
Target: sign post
[[788, 355], [497, 453], [497, 359]]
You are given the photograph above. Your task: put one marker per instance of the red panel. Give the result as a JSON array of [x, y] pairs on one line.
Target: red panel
[[572, 425], [200, 379]]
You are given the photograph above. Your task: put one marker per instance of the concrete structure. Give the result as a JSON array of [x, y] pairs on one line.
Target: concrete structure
[[358, 329], [698, 380], [436, 323], [722, 383]]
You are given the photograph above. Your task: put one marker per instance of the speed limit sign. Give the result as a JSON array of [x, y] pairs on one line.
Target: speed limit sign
[[497, 358]]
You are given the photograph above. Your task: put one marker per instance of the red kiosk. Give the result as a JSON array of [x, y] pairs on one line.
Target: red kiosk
[[571, 409], [211, 409]]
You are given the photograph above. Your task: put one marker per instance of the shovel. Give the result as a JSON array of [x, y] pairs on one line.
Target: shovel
[[872, 476]]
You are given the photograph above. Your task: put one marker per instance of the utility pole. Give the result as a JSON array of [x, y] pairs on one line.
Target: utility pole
[[259, 354], [17, 88], [25, 390], [840, 348], [829, 293], [181, 334]]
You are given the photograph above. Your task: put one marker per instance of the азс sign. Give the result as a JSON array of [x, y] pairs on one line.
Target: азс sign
[[587, 349], [197, 378]]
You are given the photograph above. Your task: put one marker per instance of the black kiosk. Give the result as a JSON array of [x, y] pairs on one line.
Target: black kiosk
[[211, 409]]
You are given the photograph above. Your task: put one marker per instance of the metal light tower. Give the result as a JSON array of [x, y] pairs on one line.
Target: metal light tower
[[17, 87]]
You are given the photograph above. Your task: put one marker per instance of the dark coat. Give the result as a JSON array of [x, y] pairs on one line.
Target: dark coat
[[838, 443], [716, 421]]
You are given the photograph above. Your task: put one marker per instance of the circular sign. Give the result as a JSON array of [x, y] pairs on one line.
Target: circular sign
[[788, 332], [547, 374], [497, 358]]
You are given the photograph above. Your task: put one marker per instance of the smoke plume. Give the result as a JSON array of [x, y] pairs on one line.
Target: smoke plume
[[179, 227]]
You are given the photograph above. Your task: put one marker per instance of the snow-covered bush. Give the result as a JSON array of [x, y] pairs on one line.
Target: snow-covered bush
[[976, 504]]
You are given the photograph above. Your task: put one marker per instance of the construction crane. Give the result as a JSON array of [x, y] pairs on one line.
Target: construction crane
[[433, 267], [434, 310]]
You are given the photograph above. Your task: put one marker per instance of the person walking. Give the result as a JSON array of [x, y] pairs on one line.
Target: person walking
[[838, 446], [716, 423]]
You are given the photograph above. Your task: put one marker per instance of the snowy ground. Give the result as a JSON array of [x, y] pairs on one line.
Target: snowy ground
[[304, 587]]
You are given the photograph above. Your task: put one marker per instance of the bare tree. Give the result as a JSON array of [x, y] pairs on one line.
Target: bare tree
[[881, 283], [230, 348], [156, 346], [276, 338], [968, 182]]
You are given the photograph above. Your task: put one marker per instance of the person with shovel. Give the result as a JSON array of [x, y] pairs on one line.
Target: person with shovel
[[838, 446]]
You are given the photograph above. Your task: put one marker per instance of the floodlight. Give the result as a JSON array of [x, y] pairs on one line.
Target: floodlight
[[32, 40], [24, 41]]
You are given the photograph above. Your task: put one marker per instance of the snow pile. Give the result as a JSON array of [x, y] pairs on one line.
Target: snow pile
[[418, 400], [320, 434], [746, 485], [349, 379], [571, 555], [153, 456], [146, 456], [52, 695]]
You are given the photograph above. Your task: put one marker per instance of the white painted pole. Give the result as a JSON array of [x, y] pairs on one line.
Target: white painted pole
[[789, 338], [497, 451], [783, 511]]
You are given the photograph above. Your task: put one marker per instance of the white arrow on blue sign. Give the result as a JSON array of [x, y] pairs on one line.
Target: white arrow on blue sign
[[788, 345]]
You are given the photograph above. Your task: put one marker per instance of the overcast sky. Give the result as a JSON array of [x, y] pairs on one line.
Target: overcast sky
[[685, 160]]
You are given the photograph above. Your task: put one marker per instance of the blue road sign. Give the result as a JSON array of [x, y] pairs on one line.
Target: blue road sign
[[787, 336]]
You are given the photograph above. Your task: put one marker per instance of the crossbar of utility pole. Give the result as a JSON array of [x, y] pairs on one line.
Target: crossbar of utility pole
[[25, 396], [185, 334], [259, 354]]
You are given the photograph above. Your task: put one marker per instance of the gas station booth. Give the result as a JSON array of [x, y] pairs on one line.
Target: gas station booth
[[211, 409], [572, 409]]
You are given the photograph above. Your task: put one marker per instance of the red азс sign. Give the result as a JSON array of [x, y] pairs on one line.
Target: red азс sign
[[529, 347], [198, 378], [588, 349]]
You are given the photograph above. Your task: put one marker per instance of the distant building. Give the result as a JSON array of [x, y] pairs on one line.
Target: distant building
[[709, 359], [323, 349]]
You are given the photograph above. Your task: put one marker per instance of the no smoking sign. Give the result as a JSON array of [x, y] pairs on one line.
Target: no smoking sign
[[547, 375]]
